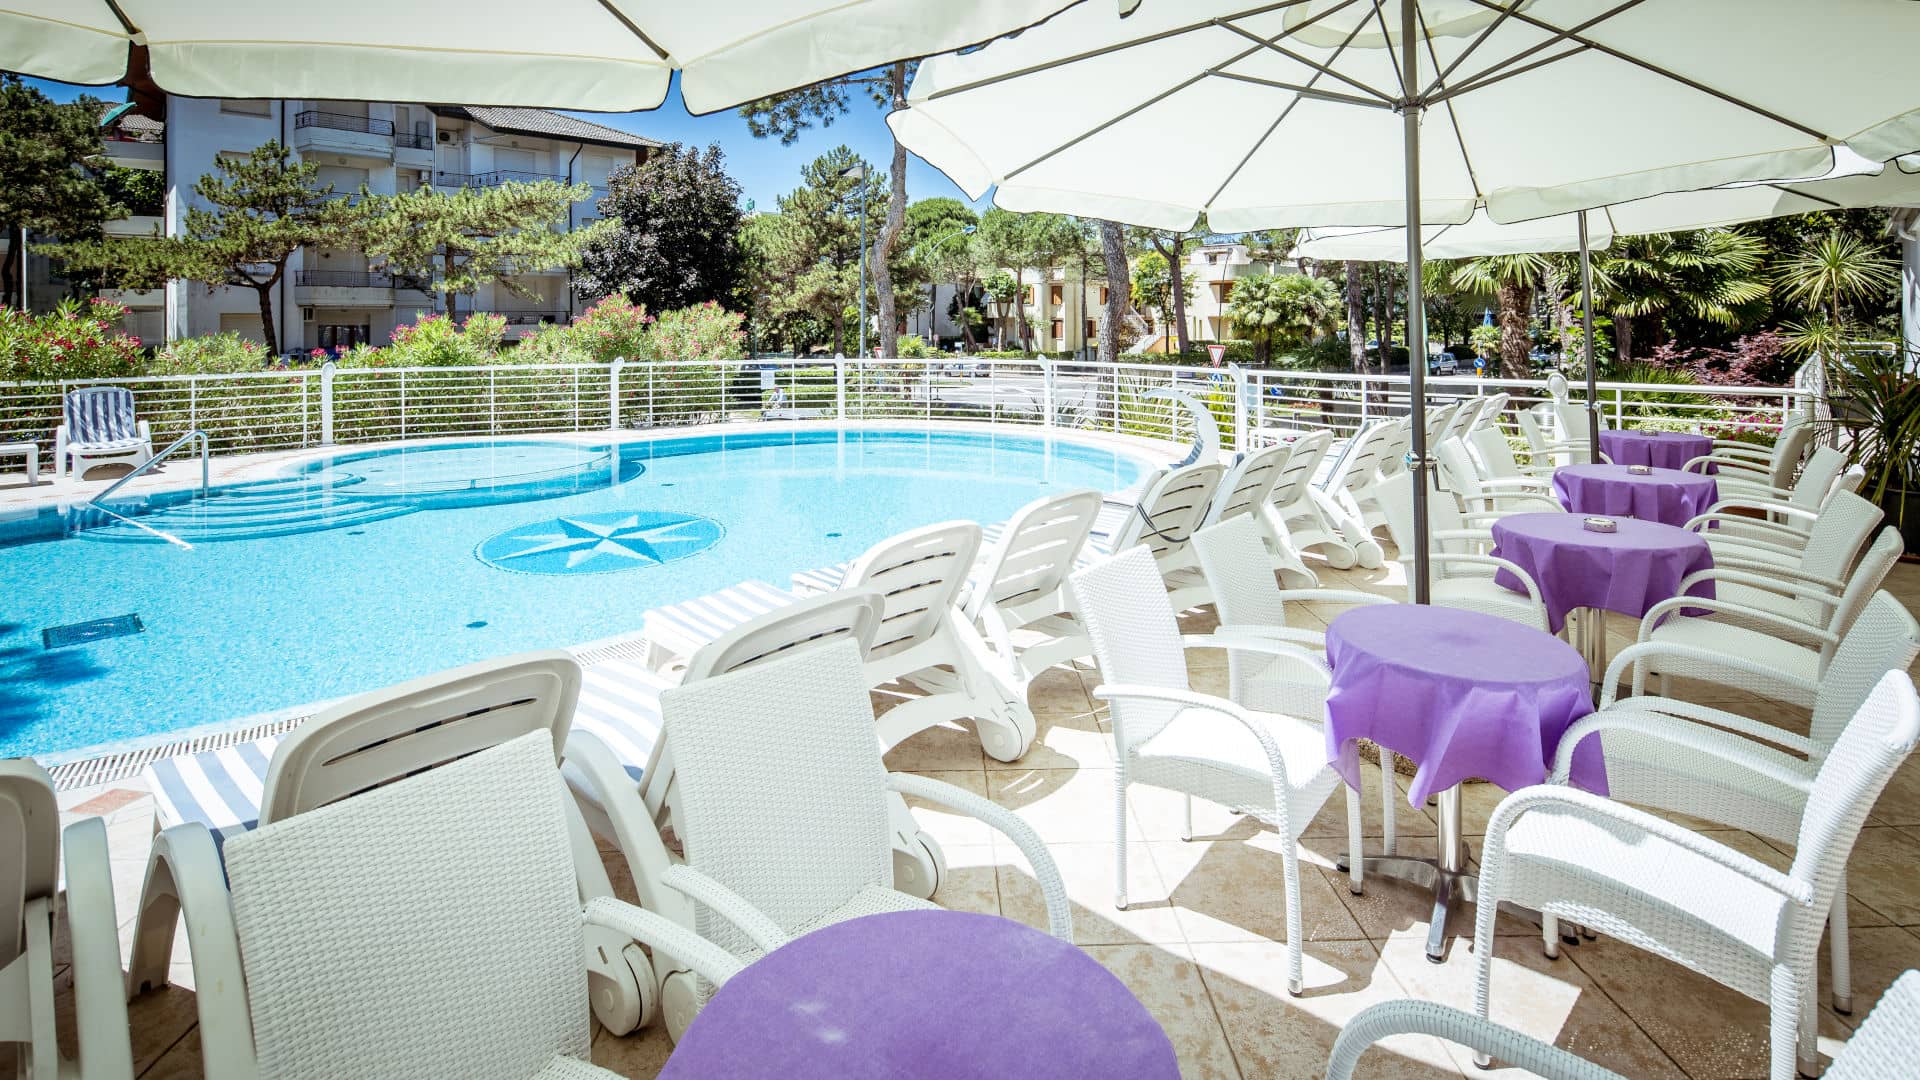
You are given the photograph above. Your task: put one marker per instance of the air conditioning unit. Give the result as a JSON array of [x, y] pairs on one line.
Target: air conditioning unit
[[426, 176], [306, 314], [443, 136]]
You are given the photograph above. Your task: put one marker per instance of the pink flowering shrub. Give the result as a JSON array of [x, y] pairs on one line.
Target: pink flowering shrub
[[213, 354], [74, 341], [701, 332], [611, 329], [434, 341]]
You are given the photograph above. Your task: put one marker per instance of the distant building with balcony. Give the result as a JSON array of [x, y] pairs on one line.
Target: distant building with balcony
[[330, 297]]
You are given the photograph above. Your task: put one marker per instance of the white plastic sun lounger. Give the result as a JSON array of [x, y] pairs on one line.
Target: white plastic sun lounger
[[680, 630], [98, 428], [1163, 520]]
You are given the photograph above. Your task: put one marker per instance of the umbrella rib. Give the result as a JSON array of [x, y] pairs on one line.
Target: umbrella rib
[[1453, 119], [1291, 55], [1291, 105], [1119, 46], [1306, 90], [114, 6], [1484, 80], [1380, 16], [1217, 69], [1558, 37], [635, 30], [1791, 190], [1647, 65], [1440, 79]]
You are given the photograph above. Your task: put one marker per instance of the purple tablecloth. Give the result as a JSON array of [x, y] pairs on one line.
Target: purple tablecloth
[[1660, 449], [1664, 495], [1460, 693], [1627, 571], [924, 993]]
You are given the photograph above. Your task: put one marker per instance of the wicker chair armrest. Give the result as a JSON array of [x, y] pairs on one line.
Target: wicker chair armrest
[[662, 934], [1738, 574], [1333, 596], [1388, 1018], [1728, 537], [1754, 730], [1046, 872], [99, 990], [1833, 587], [1493, 562], [1273, 641], [1523, 503], [1684, 737], [1193, 699], [1619, 816], [1658, 613], [1524, 484], [1643, 650], [1771, 506], [1484, 536], [728, 904]]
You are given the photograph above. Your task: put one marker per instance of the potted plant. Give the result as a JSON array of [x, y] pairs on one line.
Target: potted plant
[[1874, 398]]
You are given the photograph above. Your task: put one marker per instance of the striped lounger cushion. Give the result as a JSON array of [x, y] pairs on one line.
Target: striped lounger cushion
[[222, 789], [101, 418], [684, 627]]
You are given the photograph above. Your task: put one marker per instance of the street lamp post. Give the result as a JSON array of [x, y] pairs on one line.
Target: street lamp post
[[858, 174]]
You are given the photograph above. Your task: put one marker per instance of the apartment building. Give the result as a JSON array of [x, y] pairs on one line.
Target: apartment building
[[1212, 269], [1062, 316], [331, 298]]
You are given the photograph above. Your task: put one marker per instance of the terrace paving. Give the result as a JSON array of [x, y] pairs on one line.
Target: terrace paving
[[1201, 943]]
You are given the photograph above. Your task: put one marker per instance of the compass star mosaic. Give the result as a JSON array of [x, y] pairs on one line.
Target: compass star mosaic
[[599, 543]]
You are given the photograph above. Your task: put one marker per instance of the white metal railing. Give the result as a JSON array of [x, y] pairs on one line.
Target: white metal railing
[[275, 410]]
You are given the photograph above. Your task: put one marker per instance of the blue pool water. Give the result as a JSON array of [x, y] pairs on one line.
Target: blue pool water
[[365, 569]]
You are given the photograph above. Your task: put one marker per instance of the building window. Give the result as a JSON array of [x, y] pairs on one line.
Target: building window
[[1103, 294], [247, 106], [1214, 257], [1222, 291], [1033, 295], [1055, 295], [339, 336], [1092, 330], [1058, 331]]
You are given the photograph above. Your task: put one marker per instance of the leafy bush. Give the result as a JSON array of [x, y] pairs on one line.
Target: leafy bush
[[611, 329], [214, 354], [434, 341], [1755, 360], [911, 347], [701, 332], [1004, 354], [74, 341]]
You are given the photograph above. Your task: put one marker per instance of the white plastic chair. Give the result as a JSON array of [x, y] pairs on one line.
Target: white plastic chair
[[1626, 873], [1793, 649], [435, 926], [784, 809], [1715, 764], [1163, 520], [1248, 483], [1271, 766], [29, 894], [1884, 1046], [1018, 599], [98, 427], [1461, 573], [1294, 519]]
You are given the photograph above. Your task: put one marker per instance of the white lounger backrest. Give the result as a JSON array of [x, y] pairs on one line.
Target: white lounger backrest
[[1490, 445], [1358, 467], [918, 575], [383, 736], [1884, 638], [29, 847], [781, 787], [847, 613], [1169, 511], [429, 928], [1036, 550], [1249, 483], [1296, 476]]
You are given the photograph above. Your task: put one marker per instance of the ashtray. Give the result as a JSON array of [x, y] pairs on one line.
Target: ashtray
[[1600, 525], [1640, 470]]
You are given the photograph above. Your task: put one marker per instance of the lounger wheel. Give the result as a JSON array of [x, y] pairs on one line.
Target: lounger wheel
[[1369, 555], [620, 983], [679, 1001], [1008, 734], [1338, 556], [918, 869]]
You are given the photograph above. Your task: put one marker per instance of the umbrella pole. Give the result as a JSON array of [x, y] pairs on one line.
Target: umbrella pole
[[1586, 344], [1416, 313]]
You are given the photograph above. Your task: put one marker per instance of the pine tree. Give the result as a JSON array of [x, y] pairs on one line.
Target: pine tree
[[49, 157]]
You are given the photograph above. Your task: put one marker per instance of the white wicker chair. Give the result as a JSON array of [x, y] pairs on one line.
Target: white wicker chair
[[1546, 449], [1271, 766], [1484, 499], [1719, 765], [1783, 537], [1461, 572], [1494, 456], [1251, 604], [1743, 469], [1884, 1046], [1018, 600], [1793, 648], [1163, 520], [435, 926], [1645, 881], [1294, 519], [30, 820], [1822, 566], [784, 807]]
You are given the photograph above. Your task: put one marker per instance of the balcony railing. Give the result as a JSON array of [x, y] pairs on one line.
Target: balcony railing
[[343, 122], [493, 179], [413, 142], [345, 279], [518, 316]]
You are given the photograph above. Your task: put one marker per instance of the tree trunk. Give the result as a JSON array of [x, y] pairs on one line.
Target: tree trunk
[[896, 219], [1516, 301], [1020, 306], [10, 277], [1554, 280], [1356, 320], [1176, 286], [266, 318], [1113, 252], [1623, 339], [1383, 318]]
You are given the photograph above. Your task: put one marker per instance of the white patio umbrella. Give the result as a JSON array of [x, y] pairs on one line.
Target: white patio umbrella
[[605, 55], [1378, 112]]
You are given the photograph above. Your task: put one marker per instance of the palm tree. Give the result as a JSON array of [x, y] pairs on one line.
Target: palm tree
[[1513, 280], [1282, 306], [1841, 268], [1706, 274]]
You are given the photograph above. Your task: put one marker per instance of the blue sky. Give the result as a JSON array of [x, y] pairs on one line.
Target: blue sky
[[764, 168]]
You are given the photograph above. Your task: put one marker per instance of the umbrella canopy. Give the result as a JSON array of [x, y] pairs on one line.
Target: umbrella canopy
[[608, 55], [1855, 182], [1288, 113]]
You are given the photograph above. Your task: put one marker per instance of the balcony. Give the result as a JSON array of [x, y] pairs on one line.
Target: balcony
[[342, 133], [343, 288], [494, 178], [146, 152], [413, 151], [520, 321], [136, 225]]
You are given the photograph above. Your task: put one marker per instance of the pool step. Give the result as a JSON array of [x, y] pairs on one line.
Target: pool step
[[249, 512]]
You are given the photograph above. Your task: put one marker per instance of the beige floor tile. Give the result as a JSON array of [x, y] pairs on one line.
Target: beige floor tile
[[971, 881], [1168, 983], [1088, 872], [1880, 954], [1899, 804], [1227, 890], [1062, 805], [1067, 731], [951, 747], [641, 1054], [1408, 820], [950, 827], [1884, 873], [1276, 1035], [1552, 1000]]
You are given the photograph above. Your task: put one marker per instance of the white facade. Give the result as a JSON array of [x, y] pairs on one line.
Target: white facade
[[331, 298], [1212, 269]]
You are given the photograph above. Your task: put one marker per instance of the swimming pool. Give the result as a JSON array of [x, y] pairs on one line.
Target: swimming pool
[[361, 569]]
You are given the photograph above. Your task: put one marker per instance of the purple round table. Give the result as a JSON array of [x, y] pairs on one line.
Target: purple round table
[[1463, 694], [924, 993], [1668, 496], [1628, 571], [1660, 449]]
